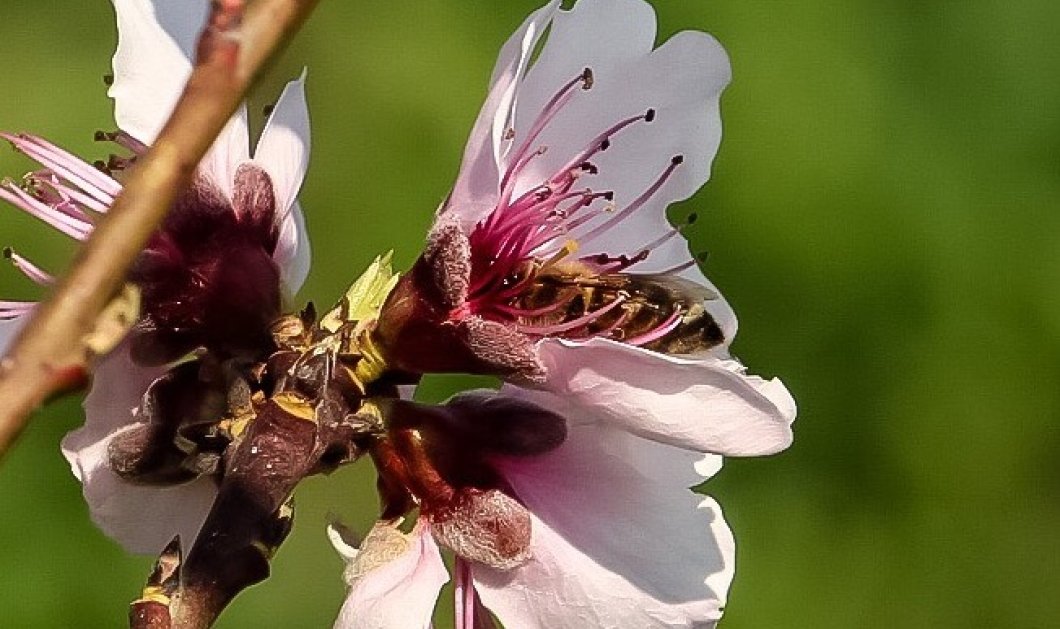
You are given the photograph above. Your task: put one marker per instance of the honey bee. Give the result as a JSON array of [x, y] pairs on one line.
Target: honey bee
[[573, 298]]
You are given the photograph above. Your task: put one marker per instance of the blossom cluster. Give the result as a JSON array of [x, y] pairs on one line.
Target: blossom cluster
[[565, 495]]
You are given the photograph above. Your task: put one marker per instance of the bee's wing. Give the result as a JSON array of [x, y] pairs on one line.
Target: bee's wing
[[682, 290]]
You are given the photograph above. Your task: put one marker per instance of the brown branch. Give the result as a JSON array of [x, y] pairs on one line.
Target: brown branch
[[298, 413], [252, 515], [247, 522], [49, 356], [151, 610]]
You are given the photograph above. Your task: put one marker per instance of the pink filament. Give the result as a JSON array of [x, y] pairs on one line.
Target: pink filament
[[659, 331], [661, 240], [529, 228], [465, 595], [123, 140], [573, 324], [553, 107], [62, 221], [635, 205], [12, 309], [599, 143], [36, 274], [64, 198], [535, 312], [67, 166], [678, 268], [608, 332]]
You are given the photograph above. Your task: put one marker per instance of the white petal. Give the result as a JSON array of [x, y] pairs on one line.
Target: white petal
[[155, 43], [141, 518], [709, 465], [399, 594], [346, 548], [293, 253], [283, 149], [618, 539], [8, 329], [598, 34], [476, 188], [229, 150], [682, 81], [703, 404]]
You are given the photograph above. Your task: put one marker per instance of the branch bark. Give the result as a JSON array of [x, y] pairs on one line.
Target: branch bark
[[49, 356], [151, 610], [289, 439]]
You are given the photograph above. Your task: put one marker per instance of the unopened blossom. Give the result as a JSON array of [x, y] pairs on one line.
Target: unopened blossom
[[212, 278], [552, 264]]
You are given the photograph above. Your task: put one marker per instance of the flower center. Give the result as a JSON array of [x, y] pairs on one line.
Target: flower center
[[207, 275], [441, 460], [524, 270]]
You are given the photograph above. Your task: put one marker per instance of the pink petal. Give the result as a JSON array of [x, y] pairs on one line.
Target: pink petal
[[618, 539], [397, 594], [476, 188], [703, 404], [141, 518], [283, 149], [152, 62]]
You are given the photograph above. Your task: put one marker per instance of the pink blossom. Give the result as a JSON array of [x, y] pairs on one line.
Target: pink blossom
[[394, 579], [617, 538], [241, 208], [553, 264]]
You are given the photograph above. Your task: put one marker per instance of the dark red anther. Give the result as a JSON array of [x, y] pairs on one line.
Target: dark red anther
[[587, 79]]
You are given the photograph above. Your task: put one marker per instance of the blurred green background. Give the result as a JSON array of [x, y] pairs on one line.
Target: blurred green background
[[884, 216]]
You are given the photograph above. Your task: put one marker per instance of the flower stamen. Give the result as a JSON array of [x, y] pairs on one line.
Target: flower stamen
[[14, 309], [637, 203], [664, 328], [35, 274], [556, 104], [684, 266], [576, 323], [123, 140], [600, 143], [62, 221], [67, 166], [67, 199]]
